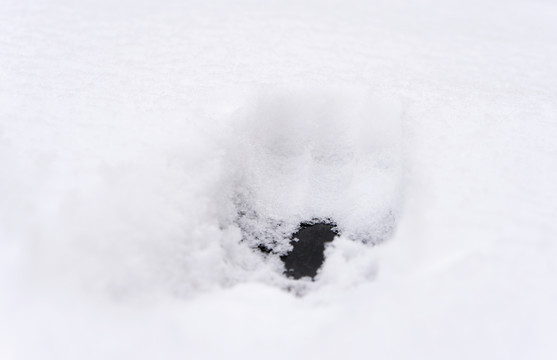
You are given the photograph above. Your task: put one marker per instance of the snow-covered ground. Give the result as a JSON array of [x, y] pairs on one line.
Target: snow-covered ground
[[140, 141]]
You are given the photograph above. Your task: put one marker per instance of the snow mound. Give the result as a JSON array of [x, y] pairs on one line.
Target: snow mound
[[303, 153]]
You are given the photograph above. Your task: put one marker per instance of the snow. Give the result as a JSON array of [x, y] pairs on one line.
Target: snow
[[132, 134]]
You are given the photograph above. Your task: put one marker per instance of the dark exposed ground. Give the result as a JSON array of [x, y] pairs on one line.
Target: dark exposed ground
[[307, 254]]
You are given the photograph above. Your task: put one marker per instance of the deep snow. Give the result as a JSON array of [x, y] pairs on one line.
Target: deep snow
[[141, 141]]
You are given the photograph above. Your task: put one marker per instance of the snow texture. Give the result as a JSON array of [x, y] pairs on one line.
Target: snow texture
[[147, 147]]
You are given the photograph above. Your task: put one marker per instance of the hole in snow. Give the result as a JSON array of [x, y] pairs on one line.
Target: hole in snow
[[304, 154], [308, 247]]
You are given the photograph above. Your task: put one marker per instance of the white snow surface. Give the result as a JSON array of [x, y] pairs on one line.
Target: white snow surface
[[146, 145]]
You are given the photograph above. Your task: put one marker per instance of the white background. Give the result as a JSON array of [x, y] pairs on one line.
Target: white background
[[128, 129]]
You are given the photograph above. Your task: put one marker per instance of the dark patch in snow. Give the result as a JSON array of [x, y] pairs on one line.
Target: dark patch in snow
[[307, 254]]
